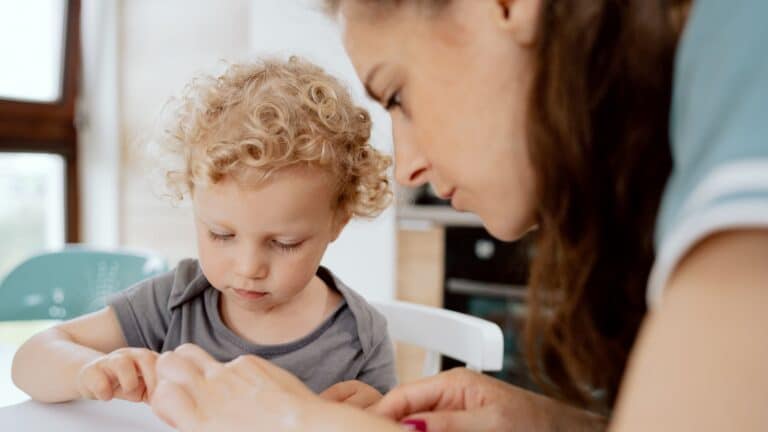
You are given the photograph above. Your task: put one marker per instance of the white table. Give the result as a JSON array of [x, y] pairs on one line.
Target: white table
[[81, 416], [9, 394]]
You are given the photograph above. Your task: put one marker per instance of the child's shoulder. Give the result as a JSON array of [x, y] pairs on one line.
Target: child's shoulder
[[174, 287], [188, 283], [371, 324]]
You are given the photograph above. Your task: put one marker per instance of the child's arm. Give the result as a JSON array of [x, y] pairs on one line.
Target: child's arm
[[68, 361]]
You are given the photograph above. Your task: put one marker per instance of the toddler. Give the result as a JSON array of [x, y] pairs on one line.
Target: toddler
[[275, 158]]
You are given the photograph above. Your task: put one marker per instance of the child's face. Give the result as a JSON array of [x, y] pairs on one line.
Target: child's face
[[261, 246]]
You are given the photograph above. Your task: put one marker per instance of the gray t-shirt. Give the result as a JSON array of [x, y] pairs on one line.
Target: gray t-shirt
[[181, 307]]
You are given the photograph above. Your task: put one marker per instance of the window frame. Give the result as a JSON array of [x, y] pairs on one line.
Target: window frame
[[50, 127]]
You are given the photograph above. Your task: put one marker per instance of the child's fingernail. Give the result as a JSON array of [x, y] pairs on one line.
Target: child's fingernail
[[414, 425]]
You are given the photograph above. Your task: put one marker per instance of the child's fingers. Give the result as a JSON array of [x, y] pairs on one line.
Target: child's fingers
[[145, 362], [364, 399], [100, 384], [339, 392], [354, 393], [139, 394], [125, 370]]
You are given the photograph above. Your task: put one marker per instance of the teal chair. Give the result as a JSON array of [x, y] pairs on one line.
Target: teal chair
[[71, 282]]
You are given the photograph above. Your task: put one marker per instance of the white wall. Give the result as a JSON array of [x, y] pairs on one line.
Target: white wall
[[364, 255], [98, 125], [162, 45]]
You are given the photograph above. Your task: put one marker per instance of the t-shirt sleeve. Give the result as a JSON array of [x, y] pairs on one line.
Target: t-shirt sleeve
[[143, 313], [719, 132], [379, 369]]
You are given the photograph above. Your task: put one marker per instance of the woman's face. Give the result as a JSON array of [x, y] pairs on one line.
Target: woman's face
[[456, 82]]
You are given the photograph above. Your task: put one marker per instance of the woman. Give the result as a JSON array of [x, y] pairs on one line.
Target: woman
[[559, 114]]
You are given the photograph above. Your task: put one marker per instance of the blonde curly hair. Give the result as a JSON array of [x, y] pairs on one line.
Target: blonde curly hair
[[258, 118]]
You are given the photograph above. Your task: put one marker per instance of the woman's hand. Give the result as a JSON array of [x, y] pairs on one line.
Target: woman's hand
[[197, 393], [127, 373], [462, 400], [355, 393]]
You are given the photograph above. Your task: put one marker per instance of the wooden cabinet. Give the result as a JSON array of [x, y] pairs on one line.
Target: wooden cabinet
[[420, 254]]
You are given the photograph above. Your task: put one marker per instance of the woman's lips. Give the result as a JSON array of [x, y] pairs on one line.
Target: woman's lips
[[447, 195], [249, 295]]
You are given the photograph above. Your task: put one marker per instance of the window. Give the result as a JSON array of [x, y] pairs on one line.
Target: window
[[32, 217], [40, 54], [32, 70]]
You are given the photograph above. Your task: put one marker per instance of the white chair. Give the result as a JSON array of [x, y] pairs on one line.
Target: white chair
[[474, 341]]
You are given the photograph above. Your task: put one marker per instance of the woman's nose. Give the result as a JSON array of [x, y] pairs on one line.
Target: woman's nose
[[411, 167]]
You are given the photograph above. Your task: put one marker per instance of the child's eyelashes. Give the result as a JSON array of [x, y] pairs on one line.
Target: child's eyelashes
[[220, 237], [286, 247], [280, 245]]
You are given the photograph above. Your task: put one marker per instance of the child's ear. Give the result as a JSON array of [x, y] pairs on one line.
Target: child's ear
[[340, 221]]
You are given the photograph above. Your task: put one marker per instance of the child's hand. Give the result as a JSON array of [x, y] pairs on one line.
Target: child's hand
[[356, 393], [127, 373]]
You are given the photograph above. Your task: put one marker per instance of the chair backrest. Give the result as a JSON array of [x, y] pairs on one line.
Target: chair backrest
[[474, 341], [71, 282]]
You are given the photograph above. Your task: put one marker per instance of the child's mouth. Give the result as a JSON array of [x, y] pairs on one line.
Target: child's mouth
[[249, 295]]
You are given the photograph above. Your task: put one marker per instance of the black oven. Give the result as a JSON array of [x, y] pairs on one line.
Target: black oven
[[487, 278]]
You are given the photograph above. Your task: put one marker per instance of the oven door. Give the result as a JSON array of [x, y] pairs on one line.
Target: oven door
[[487, 278], [503, 305]]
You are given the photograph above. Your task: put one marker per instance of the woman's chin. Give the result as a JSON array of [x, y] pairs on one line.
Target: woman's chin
[[507, 229]]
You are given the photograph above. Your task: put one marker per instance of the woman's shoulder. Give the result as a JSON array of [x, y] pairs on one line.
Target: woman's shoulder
[[719, 132]]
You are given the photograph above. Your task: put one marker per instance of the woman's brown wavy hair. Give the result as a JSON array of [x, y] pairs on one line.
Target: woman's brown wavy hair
[[599, 145]]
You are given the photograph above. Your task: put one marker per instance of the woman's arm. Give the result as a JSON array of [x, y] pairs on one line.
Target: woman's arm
[[701, 361], [47, 366]]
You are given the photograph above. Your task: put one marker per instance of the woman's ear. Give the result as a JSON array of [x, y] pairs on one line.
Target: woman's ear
[[520, 18]]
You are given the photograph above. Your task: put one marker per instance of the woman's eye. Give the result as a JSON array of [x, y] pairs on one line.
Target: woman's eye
[[220, 237], [393, 101]]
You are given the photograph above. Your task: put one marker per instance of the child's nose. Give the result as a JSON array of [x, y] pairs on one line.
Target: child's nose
[[253, 267]]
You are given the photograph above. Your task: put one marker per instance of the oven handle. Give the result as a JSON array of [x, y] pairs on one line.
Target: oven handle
[[486, 289]]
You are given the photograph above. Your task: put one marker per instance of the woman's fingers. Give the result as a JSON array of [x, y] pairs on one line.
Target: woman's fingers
[[180, 378], [424, 395], [456, 421], [265, 375], [173, 367], [174, 405], [252, 371], [198, 358]]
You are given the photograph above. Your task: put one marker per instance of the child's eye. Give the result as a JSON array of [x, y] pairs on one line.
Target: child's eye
[[393, 101], [286, 247], [220, 237]]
